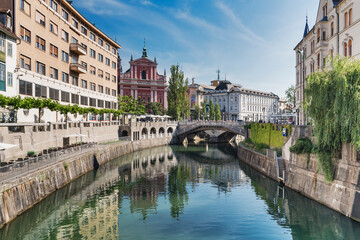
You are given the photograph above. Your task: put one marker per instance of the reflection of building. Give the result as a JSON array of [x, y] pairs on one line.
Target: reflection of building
[[8, 45], [237, 103], [62, 56], [335, 32], [143, 81]]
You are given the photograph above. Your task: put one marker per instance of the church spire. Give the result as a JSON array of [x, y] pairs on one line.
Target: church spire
[[131, 59], [306, 31], [144, 55]]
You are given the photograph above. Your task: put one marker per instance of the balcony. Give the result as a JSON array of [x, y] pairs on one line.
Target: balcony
[[77, 67], [77, 48]]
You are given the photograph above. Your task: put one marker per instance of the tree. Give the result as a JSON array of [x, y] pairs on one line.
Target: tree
[[197, 112], [290, 95], [178, 102], [154, 108], [217, 112], [203, 110], [129, 105], [211, 110]]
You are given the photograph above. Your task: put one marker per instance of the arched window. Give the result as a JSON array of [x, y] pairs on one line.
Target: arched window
[[350, 48], [318, 35], [332, 28], [350, 16], [346, 19], [345, 49], [143, 74], [318, 61]]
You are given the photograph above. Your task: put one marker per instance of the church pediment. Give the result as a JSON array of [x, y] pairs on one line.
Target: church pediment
[[143, 61]]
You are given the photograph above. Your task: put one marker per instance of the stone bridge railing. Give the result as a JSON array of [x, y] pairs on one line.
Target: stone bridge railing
[[235, 127]]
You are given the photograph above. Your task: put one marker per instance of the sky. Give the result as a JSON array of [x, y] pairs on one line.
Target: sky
[[249, 41]]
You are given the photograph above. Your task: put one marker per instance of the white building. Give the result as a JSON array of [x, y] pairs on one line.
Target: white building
[[336, 32], [237, 103], [8, 44]]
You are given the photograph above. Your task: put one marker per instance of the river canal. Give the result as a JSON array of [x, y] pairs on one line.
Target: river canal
[[175, 192]]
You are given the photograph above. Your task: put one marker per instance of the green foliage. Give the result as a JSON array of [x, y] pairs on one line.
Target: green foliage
[[129, 105], [247, 126], [248, 141], [332, 101], [154, 108], [291, 94], [217, 112], [178, 102], [211, 110], [269, 134], [203, 110], [260, 146], [302, 145], [197, 112], [30, 153], [66, 166]]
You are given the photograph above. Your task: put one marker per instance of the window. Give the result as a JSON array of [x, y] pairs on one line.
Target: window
[[25, 7], [113, 78], [83, 83], [92, 70], [25, 62], [100, 57], [143, 74], [74, 58], [92, 102], [53, 28], [2, 43], [65, 14], [65, 96], [107, 91], [113, 65], [53, 73], [84, 64], [40, 91], [54, 5], [346, 19], [107, 46], [350, 48], [2, 77], [75, 23], [40, 68], [53, 50], [100, 42], [100, 103], [345, 49], [114, 51], [53, 94], [92, 36], [84, 100], [318, 35], [25, 34], [74, 81], [10, 79], [10, 50], [64, 36], [74, 98], [318, 61], [84, 46], [332, 29], [74, 40], [40, 43], [107, 76], [65, 77], [84, 30], [107, 104], [325, 10], [350, 16], [40, 18], [107, 61], [100, 89], [100, 73], [25, 87], [92, 53], [65, 56], [92, 86], [114, 92]]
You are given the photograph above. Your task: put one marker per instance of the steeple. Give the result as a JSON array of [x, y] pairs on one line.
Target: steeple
[[306, 31], [131, 59], [155, 59], [164, 71], [144, 51], [218, 72]]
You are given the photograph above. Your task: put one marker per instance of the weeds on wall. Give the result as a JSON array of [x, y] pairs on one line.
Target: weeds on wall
[[269, 134]]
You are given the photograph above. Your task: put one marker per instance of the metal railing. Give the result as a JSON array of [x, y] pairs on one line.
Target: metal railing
[[20, 168], [187, 126]]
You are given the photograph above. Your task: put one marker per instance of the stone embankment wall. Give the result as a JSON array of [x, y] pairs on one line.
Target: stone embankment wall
[[21, 194], [342, 195]]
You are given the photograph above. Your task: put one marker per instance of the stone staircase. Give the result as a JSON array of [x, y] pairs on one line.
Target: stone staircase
[[281, 169]]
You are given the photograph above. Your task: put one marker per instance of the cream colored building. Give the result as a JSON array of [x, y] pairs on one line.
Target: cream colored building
[[336, 32], [62, 56]]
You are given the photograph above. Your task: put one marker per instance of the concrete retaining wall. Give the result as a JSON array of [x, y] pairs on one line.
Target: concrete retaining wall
[[21, 194]]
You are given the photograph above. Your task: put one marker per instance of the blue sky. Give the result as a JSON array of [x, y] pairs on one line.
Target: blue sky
[[251, 41]]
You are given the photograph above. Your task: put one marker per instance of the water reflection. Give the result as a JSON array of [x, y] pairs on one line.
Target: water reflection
[[200, 192]]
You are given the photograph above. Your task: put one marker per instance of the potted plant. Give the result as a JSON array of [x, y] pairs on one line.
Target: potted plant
[[31, 153]]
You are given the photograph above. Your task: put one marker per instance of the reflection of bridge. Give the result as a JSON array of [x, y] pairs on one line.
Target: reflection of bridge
[[191, 129]]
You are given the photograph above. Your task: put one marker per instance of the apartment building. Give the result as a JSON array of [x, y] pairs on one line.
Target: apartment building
[[335, 33], [62, 56]]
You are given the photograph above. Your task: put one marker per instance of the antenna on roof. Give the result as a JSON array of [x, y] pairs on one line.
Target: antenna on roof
[[218, 72]]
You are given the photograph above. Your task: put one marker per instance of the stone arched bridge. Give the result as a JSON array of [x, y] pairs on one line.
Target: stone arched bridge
[[190, 129]]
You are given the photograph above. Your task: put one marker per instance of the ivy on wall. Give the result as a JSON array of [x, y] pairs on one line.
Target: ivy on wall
[[268, 133]]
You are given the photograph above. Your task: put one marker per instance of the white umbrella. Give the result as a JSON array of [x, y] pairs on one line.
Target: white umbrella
[[4, 146]]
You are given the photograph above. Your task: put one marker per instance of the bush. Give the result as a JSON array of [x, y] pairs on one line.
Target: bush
[[248, 141], [261, 146], [30, 153], [302, 145]]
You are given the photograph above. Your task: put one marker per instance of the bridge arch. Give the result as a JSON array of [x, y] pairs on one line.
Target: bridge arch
[[153, 131], [124, 133], [170, 130], [144, 132], [161, 130]]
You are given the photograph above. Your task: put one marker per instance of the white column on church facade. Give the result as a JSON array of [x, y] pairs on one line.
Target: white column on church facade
[[152, 96], [135, 72], [155, 97], [132, 92], [136, 94]]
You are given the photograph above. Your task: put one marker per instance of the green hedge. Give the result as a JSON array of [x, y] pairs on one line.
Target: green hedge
[[268, 133]]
